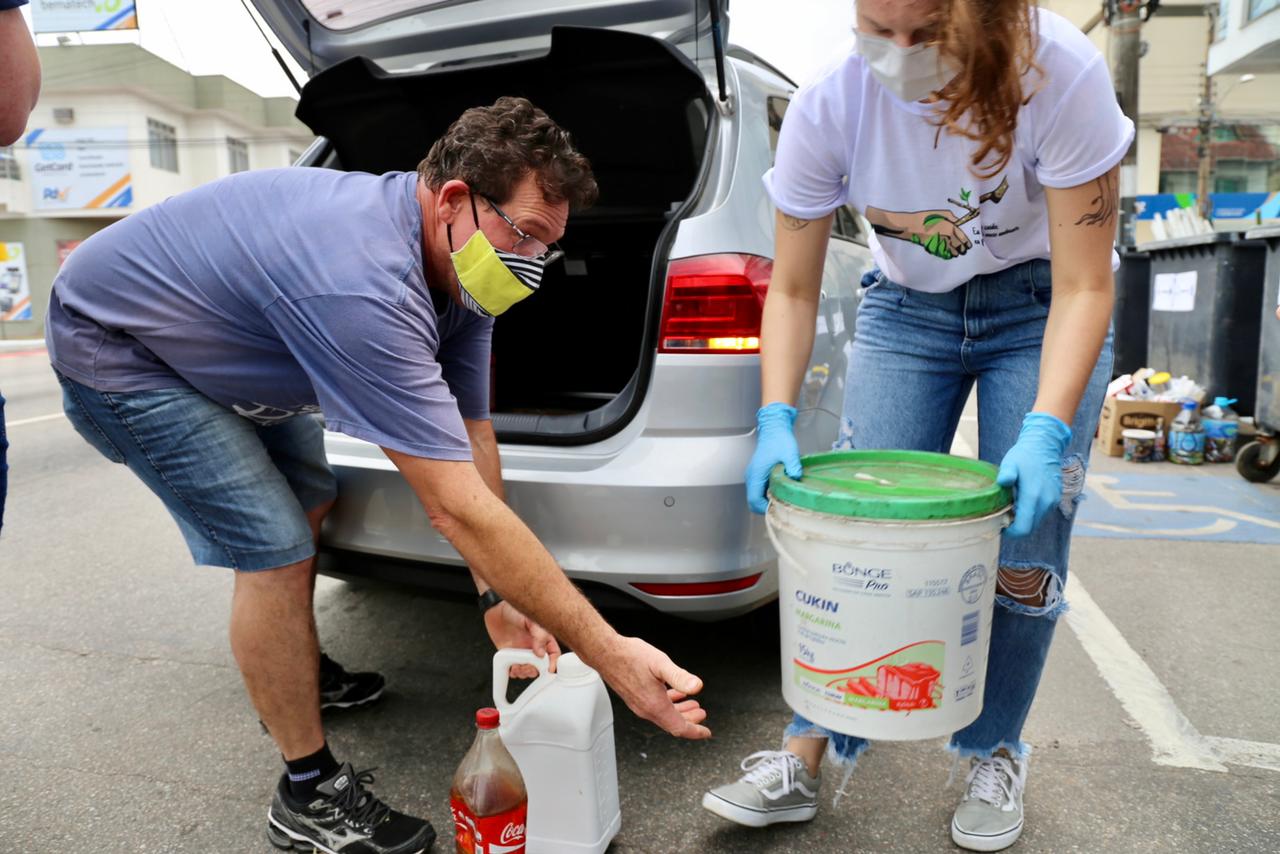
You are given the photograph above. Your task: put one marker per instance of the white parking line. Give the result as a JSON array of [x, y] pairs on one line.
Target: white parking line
[[1174, 739], [1256, 754], [36, 420], [1217, 526]]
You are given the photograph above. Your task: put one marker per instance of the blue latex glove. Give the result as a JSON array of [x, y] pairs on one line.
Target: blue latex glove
[[775, 443], [1033, 467]]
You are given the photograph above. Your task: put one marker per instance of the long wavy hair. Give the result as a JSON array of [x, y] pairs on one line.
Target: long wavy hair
[[993, 43]]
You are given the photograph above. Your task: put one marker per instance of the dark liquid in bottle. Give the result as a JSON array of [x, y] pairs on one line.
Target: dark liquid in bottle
[[490, 794], [485, 796]]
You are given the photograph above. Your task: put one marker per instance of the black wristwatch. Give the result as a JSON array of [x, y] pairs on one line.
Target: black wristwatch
[[488, 599]]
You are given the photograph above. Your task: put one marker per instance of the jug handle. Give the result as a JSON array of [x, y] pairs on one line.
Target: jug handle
[[503, 659]]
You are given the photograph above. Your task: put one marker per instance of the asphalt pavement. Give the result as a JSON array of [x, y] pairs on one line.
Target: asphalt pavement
[[124, 727]]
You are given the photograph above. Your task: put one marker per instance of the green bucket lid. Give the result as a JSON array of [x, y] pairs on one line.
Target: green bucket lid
[[899, 485]]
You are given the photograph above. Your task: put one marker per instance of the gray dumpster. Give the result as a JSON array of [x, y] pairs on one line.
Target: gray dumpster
[[1132, 311], [1206, 308], [1259, 460]]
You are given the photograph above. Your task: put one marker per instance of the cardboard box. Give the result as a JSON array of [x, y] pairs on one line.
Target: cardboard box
[[1121, 415]]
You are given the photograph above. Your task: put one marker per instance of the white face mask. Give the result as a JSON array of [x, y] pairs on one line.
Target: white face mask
[[911, 73]]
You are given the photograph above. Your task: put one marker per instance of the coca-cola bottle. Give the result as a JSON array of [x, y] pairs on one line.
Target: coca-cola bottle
[[488, 798]]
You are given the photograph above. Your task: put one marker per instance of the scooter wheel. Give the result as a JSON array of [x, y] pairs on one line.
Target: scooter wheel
[[1251, 465]]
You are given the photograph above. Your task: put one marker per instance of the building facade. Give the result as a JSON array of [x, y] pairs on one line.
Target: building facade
[[1180, 44], [118, 129], [1247, 38]]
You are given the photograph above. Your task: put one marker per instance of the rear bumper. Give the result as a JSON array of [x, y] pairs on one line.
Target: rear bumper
[[661, 509]]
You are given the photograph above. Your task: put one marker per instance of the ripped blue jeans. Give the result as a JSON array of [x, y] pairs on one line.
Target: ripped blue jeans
[[915, 359]]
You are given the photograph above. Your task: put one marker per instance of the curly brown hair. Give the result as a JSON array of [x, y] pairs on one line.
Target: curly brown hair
[[993, 43], [493, 148]]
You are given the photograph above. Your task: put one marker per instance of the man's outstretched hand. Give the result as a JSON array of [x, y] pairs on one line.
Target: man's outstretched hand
[[653, 687]]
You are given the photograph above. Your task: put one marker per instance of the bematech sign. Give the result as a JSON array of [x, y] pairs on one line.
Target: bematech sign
[[70, 16], [80, 168]]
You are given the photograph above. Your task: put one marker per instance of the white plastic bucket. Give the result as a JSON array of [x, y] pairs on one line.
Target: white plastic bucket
[[885, 625]]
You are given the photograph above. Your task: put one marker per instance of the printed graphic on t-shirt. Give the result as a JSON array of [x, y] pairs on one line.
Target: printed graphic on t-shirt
[[265, 414], [942, 232]]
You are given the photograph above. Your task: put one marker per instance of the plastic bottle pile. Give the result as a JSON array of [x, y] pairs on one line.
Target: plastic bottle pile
[[1193, 436]]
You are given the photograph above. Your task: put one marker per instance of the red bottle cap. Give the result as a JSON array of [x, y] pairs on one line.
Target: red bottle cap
[[487, 718]]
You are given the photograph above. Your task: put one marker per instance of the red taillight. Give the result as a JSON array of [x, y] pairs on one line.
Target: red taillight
[[713, 304], [698, 588]]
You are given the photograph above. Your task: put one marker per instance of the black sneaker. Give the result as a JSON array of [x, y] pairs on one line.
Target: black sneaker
[[342, 690], [344, 818]]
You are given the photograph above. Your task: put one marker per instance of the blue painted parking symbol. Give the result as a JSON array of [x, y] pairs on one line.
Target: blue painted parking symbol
[[1182, 504]]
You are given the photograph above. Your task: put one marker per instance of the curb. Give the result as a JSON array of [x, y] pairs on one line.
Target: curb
[[22, 345]]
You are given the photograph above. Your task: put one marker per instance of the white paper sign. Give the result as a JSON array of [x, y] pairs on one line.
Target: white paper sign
[[74, 169], [1174, 291], [15, 292], [71, 16]]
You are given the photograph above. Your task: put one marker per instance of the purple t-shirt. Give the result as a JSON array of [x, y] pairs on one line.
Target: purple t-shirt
[[279, 292]]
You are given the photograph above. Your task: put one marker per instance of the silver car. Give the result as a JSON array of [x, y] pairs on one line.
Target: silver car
[[624, 394]]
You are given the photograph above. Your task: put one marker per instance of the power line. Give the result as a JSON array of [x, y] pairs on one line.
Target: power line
[[186, 63]]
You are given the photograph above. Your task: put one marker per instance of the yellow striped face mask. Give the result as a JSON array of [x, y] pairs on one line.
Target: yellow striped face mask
[[491, 281]]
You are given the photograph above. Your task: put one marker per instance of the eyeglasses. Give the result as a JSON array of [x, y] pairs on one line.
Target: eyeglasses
[[528, 246]]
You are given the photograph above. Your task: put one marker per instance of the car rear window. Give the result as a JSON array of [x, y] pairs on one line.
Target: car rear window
[[776, 107]]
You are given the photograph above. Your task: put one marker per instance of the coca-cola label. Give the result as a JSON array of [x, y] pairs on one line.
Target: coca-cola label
[[492, 834]]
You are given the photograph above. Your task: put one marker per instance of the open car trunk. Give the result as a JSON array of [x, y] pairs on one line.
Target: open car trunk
[[571, 363]]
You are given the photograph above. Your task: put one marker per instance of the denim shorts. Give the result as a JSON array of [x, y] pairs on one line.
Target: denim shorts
[[239, 491]]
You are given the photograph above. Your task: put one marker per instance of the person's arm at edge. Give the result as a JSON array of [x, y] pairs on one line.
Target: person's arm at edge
[[484, 450], [503, 551], [20, 69], [1082, 225], [503, 620], [791, 307]]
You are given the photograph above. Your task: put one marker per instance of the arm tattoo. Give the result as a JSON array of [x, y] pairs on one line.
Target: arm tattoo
[[1104, 204], [794, 223]]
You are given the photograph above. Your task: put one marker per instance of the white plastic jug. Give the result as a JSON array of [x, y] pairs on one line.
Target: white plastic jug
[[560, 731]]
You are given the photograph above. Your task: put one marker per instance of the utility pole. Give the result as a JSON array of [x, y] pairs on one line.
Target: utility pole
[[1124, 17], [1204, 149]]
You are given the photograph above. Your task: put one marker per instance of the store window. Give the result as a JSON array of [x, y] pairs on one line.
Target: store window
[[238, 154], [1258, 8], [9, 169], [162, 139]]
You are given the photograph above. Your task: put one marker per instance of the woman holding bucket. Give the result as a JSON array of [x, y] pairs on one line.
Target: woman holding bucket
[[981, 140]]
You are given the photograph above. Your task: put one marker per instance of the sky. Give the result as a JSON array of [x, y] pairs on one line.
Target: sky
[[218, 37]]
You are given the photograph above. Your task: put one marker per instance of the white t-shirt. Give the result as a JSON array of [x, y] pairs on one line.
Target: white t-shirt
[[848, 140]]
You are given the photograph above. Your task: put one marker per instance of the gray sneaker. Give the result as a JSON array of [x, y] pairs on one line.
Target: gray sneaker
[[776, 788], [989, 817]]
